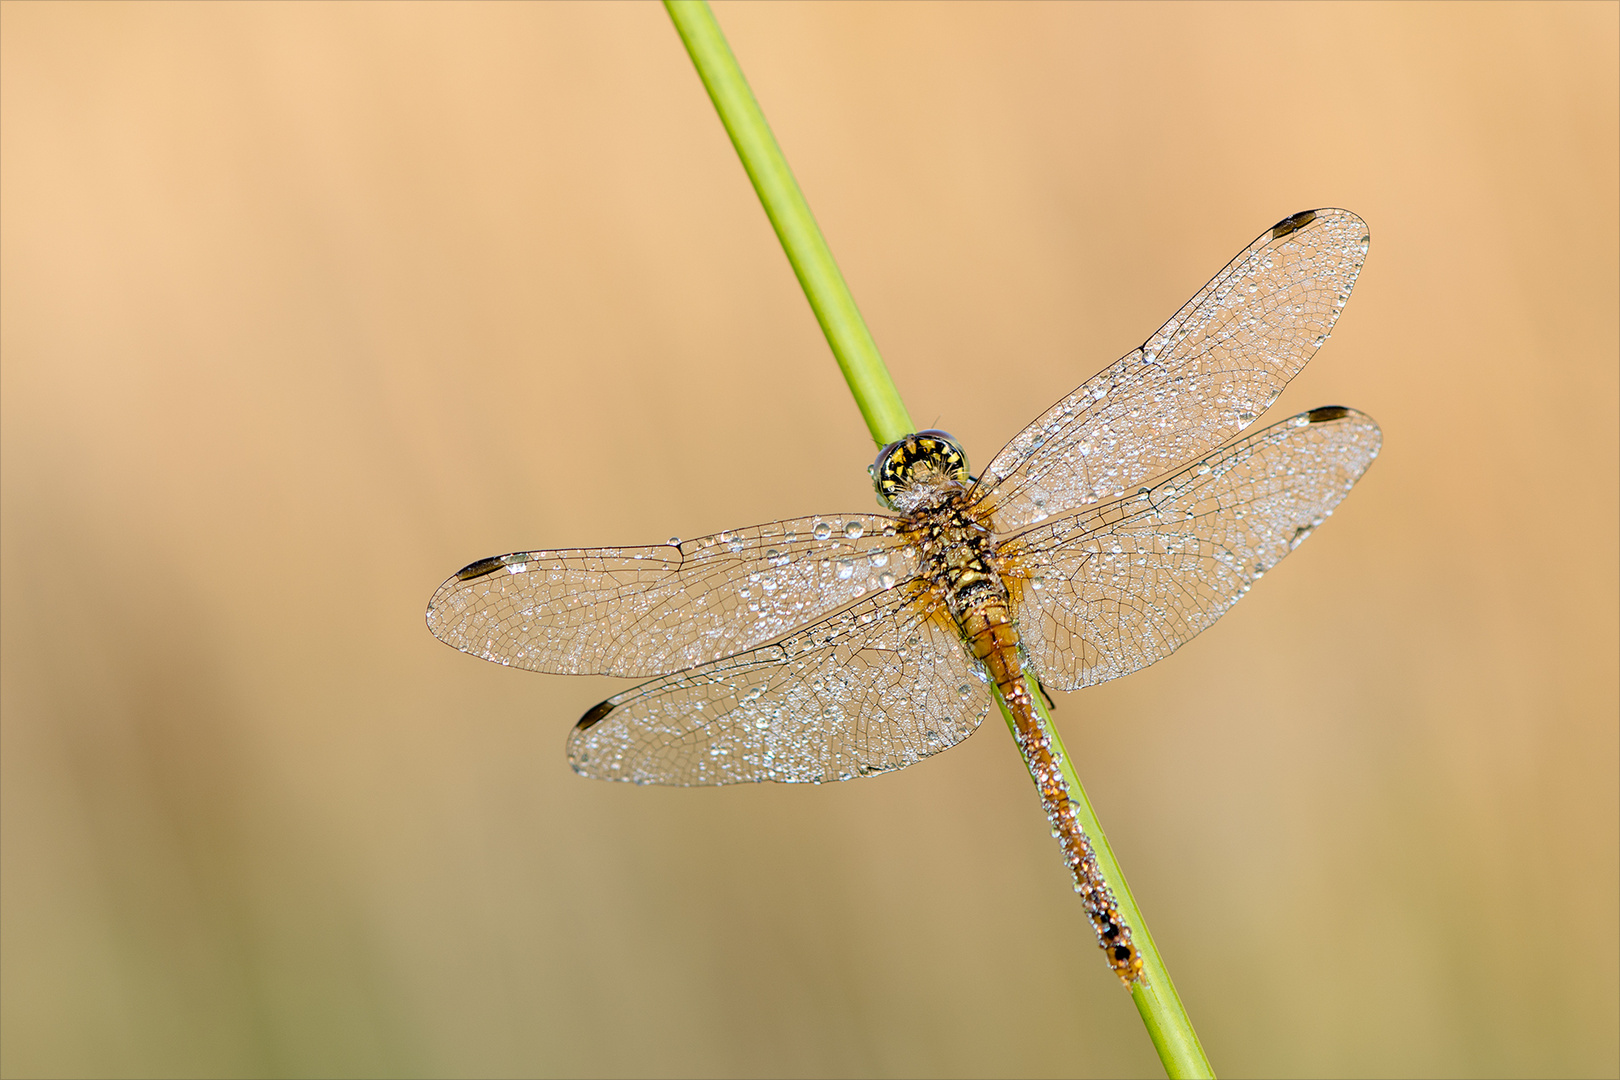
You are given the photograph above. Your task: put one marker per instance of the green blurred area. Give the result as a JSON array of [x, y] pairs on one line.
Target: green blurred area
[[303, 307]]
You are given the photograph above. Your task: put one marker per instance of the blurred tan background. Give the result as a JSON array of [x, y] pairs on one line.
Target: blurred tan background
[[306, 306]]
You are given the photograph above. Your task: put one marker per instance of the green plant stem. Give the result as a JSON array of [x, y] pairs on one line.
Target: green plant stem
[[795, 226], [1166, 1020]]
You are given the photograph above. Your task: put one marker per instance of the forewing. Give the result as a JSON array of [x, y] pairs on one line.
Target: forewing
[[1125, 584], [1205, 376], [878, 686], [651, 610]]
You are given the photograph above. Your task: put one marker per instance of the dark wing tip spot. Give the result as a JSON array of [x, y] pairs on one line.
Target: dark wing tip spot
[[596, 713], [1292, 223], [478, 569], [1326, 413]]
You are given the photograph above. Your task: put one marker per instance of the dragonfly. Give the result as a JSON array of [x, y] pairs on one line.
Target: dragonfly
[[1108, 533]]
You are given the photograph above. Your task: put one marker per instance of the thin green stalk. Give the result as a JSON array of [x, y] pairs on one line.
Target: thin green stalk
[[795, 226], [1155, 996]]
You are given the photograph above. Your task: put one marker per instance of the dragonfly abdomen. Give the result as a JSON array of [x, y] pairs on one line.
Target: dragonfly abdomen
[[991, 635], [992, 638]]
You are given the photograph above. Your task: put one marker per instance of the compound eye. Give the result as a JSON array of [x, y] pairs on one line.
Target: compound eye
[[890, 471], [897, 464], [943, 451]]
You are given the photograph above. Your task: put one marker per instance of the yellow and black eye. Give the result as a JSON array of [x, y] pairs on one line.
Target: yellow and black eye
[[898, 463]]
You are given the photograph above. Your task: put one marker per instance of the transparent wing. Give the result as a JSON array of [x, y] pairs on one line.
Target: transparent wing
[[1122, 585], [878, 686], [1204, 377], [651, 610]]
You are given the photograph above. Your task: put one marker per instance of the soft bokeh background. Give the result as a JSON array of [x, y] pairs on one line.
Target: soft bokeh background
[[307, 306]]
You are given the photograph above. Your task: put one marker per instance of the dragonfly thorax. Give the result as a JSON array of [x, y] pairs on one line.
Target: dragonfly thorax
[[957, 557], [923, 470]]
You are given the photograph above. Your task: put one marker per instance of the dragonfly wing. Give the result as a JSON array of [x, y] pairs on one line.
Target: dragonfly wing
[[1204, 377], [1127, 583], [651, 610], [876, 687]]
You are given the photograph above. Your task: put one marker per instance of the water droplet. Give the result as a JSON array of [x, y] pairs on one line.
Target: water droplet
[[964, 691], [846, 569], [853, 529], [772, 555], [886, 579], [674, 541], [821, 531], [880, 558], [1301, 421], [1037, 582]]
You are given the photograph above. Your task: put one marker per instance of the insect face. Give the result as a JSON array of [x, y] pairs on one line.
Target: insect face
[[916, 470]]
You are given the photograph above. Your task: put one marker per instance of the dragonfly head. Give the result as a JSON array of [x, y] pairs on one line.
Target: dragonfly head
[[922, 469]]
